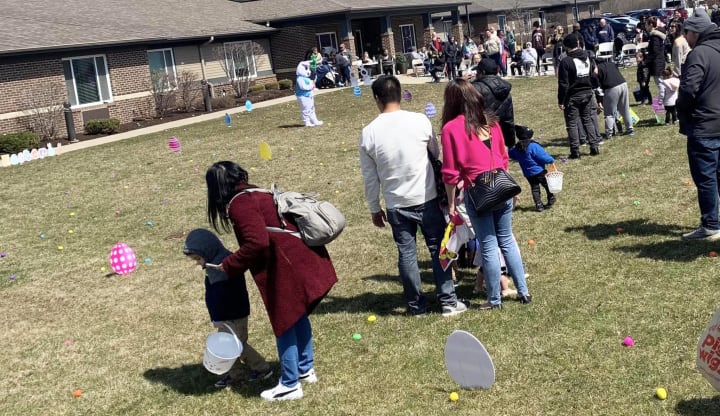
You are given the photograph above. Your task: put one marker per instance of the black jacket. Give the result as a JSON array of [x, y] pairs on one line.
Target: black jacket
[[497, 98], [226, 298], [609, 75], [576, 76], [655, 55], [698, 103]]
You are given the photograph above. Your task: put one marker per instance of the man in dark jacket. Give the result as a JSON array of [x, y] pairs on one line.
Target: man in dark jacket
[[698, 107], [577, 77], [497, 98], [589, 38], [604, 32]]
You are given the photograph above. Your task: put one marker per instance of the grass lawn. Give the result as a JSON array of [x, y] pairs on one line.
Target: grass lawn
[[133, 344]]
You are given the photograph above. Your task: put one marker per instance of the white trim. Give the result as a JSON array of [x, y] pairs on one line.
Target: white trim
[[172, 63], [24, 113], [502, 27], [97, 79], [252, 54], [414, 36]]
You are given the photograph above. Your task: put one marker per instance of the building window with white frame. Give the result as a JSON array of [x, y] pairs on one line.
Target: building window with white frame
[[240, 59], [541, 17], [591, 9], [408, 37], [576, 16], [161, 61], [327, 42], [87, 80], [502, 22]]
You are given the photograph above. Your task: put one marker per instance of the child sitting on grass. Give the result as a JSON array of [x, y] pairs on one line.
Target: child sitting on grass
[[532, 159], [227, 301]]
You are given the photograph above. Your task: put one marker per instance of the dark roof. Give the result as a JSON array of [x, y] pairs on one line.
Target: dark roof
[[32, 25], [486, 6], [279, 10]]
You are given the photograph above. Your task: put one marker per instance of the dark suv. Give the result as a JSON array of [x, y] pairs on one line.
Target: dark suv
[[618, 27]]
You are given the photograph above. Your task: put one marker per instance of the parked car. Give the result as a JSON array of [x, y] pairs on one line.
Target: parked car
[[637, 14], [617, 26], [625, 19]]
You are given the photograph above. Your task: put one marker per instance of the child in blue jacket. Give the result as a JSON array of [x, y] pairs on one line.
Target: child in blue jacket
[[532, 158]]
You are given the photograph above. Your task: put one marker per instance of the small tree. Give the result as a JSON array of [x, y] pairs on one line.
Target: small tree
[[238, 62], [189, 89], [519, 14], [46, 110], [163, 92]]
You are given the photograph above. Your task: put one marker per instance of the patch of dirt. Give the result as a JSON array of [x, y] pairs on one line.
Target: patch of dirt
[[255, 97]]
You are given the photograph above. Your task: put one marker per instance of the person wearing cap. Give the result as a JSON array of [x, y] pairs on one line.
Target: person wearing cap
[[698, 107], [577, 77], [496, 95], [532, 158]]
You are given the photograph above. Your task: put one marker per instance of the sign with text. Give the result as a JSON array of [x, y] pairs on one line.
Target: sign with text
[[708, 354]]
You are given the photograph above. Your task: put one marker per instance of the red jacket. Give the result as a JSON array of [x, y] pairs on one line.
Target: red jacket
[[292, 277]]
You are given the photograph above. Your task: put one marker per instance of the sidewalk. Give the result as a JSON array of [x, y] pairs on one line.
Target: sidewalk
[[404, 79]]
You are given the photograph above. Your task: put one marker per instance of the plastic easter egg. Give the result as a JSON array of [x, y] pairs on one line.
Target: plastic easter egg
[[357, 91], [14, 160], [26, 155], [248, 105], [430, 110], [228, 120], [407, 96], [174, 144], [34, 154], [122, 259], [265, 152]]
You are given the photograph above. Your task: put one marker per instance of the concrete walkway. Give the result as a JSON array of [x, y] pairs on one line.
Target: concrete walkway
[[404, 79]]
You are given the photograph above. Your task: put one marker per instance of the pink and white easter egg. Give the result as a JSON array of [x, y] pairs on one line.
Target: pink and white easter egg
[[122, 259], [174, 144]]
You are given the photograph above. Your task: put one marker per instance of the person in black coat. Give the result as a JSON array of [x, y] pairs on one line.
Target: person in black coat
[[655, 54], [496, 95], [437, 68], [453, 52]]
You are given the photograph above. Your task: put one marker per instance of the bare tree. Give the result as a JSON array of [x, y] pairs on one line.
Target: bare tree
[[238, 62], [163, 91], [189, 89], [46, 110], [518, 14]]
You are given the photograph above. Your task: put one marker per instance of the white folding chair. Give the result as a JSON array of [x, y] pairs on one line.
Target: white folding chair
[[627, 54], [642, 45], [546, 63], [418, 67], [605, 51]]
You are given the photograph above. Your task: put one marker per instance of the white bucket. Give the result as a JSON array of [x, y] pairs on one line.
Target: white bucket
[[221, 351], [555, 181]]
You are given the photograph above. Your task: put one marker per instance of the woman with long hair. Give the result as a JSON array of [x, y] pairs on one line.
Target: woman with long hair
[[473, 143], [292, 278]]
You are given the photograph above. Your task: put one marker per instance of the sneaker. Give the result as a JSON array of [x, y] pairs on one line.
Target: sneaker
[[489, 306], [539, 208], [319, 123], [551, 201], [508, 294], [630, 133], [224, 382], [574, 155], [702, 233], [418, 313], [260, 375], [459, 308], [594, 151], [525, 298], [309, 377], [281, 392]]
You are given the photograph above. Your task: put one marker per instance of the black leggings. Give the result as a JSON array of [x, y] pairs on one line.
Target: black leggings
[[670, 113], [535, 182]]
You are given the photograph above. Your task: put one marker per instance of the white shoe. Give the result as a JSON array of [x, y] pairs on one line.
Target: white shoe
[[309, 377], [319, 123], [281, 392], [459, 308]]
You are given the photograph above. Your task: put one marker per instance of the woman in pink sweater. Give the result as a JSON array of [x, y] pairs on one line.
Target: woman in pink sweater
[[472, 143]]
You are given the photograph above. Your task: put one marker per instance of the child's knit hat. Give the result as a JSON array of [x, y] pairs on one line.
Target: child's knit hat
[[523, 132]]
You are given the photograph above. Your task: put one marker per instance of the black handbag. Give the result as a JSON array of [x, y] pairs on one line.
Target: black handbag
[[437, 173], [491, 189]]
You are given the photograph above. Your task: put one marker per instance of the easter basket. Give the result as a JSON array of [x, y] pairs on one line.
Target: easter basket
[[554, 179]]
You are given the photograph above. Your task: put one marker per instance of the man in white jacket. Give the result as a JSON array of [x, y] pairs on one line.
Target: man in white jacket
[[394, 160]]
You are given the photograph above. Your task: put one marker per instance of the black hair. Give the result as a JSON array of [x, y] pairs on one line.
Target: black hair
[[222, 178], [387, 89]]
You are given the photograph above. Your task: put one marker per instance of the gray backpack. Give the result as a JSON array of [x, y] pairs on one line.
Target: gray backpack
[[318, 222]]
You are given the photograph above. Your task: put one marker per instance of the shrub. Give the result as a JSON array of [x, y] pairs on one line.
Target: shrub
[[223, 101], [17, 142], [258, 87], [285, 84], [272, 86], [102, 126]]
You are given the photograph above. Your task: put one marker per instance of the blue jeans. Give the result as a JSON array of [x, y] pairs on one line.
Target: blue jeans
[[295, 349], [493, 230], [704, 158], [404, 223]]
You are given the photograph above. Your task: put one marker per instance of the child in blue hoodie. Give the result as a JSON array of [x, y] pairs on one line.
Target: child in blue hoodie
[[532, 158], [227, 301]]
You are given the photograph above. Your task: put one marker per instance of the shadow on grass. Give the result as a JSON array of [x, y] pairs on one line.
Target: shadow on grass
[[699, 407], [195, 380], [671, 250], [383, 304], [648, 122], [638, 227], [291, 126]]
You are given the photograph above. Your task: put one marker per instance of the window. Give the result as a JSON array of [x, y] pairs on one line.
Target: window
[[327, 42], [526, 22], [591, 9], [87, 80], [575, 14], [541, 16], [408, 37], [161, 61], [501, 22], [240, 59]]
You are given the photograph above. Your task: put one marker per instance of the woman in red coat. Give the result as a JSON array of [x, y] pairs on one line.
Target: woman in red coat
[[292, 277]]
